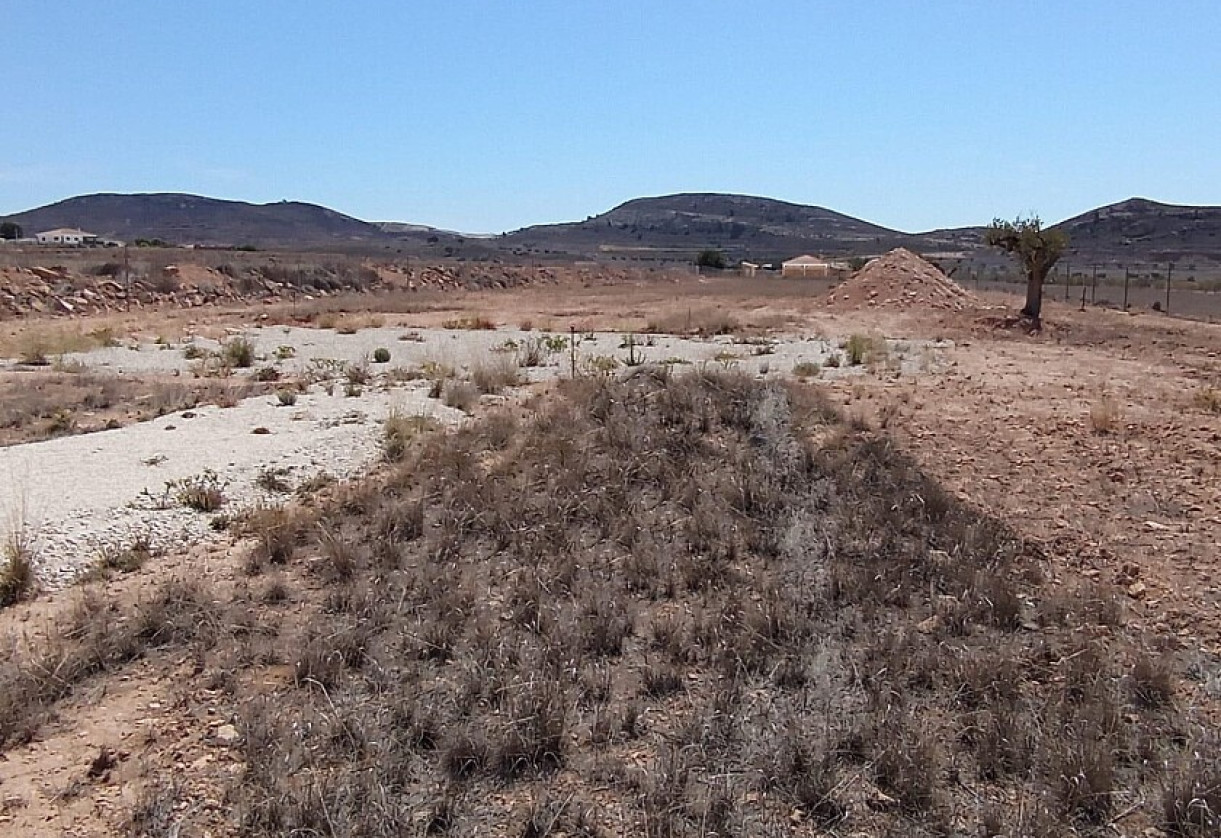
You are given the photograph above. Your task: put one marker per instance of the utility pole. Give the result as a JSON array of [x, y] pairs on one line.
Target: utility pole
[[1169, 268]]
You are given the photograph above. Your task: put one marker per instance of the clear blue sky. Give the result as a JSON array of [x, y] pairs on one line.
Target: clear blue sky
[[487, 116]]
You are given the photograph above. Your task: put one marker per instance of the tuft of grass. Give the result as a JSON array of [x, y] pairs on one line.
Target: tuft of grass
[[1191, 799], [1105, 414], [1208, 399], [17, 578], [494, 374], [400, 429], [203, 492], [462, 395], [1151, 682], [126, 558], [273, 480]]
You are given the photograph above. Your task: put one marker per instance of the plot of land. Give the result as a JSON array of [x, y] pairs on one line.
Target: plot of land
[[686, 536]]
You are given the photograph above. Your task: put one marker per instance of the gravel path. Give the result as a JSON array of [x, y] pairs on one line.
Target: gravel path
[[76, 496]]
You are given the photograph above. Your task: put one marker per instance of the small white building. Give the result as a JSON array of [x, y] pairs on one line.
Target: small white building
[[804, 266], [68, 236]]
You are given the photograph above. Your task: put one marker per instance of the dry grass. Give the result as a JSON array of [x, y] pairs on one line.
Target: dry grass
[[1105, 414], [705, 322], [462, 395], [38, 405], [95, 636], [17, 578], [1208, 399], [400, 430], [470, 322], [684, 604], [493, 374]]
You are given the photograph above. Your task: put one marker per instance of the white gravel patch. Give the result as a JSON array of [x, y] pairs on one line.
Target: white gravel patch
[[78, 495], [297, 350]]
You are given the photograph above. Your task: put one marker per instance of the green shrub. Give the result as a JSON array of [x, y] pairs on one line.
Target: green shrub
[[381, 355], [237, 353]]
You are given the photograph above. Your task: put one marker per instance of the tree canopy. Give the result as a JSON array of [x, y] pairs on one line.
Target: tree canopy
[[710, 258], [10, 230], [1036, 248]]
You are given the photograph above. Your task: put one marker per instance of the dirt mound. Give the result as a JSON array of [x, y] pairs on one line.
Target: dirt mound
[[900, 279]]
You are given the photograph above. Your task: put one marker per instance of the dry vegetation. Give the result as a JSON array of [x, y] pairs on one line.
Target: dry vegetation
[[668, 605], [40, 405]]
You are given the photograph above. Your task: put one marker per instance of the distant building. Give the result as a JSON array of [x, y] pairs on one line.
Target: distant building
[[804, 266], [67, 235], [748, 268]]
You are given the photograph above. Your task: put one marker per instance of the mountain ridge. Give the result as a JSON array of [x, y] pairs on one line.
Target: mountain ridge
[[661, 228]]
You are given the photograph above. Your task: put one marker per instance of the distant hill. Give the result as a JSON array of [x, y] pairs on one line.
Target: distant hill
[[679, 226], [660, 229], [1142, 231], [191, 219]]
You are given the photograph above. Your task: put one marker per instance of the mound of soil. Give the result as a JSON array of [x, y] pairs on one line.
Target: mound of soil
[[900, 279]]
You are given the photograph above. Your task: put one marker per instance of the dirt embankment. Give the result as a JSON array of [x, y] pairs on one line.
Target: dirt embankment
[[106, 287]]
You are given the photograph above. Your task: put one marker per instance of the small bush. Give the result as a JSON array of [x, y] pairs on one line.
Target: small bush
[[532, 353], [237, 353], [273, 480], [286, 396], [204, 492], [358, 375], [267, 373], [807, 369], [381, 355]]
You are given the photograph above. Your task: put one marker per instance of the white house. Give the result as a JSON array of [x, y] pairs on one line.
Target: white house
[[67, 235], [804, 266]]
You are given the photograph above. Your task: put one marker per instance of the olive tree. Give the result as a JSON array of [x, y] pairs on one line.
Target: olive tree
[[1038, 250], [10, 230]]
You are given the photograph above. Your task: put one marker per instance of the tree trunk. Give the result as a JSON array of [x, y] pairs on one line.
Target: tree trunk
[[1034, 295]]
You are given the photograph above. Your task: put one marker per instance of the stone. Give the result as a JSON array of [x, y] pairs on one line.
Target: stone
[[227, 735]]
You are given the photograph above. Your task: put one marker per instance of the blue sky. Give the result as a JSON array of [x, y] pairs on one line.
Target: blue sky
[[487, 116]]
